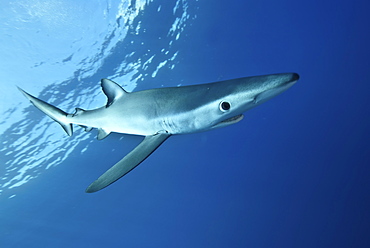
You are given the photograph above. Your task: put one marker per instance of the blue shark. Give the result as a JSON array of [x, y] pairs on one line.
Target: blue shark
[[159, 113]]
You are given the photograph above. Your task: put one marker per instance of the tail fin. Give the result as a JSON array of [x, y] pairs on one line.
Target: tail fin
[[55, 113]]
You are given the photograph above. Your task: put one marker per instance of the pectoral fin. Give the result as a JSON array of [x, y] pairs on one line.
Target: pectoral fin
[[125, 165]]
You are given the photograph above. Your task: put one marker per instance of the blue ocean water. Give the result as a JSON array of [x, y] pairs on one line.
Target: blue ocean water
[[294, 173]]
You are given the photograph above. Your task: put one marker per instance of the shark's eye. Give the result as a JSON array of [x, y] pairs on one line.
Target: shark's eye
[[224, 106]]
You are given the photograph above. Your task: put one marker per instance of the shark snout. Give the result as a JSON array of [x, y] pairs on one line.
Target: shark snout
[[293, 79], [278, 84], [285, 82], [287, 79]]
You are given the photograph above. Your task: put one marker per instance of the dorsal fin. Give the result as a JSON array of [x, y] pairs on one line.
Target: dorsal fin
[[78, 111], [112, 90]]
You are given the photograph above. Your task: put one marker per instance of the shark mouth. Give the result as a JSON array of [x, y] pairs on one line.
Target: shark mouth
[[232, 120], [229, 121]]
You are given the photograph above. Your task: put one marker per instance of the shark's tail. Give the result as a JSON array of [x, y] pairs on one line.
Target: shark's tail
[[55, 113]]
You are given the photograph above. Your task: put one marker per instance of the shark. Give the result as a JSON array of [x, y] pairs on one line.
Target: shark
[[159, 113]]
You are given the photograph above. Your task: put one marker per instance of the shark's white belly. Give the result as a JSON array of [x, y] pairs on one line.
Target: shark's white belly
[[117, 120]]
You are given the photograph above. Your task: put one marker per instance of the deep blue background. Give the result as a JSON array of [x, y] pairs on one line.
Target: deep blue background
[[294, 173]]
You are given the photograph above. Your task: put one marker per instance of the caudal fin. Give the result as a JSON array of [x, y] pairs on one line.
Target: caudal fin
[[55, 113]]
